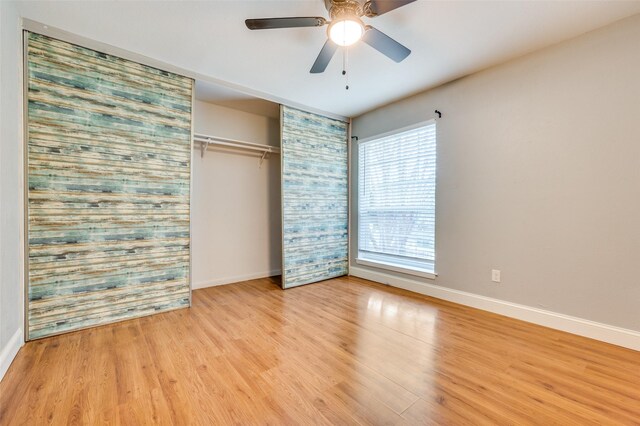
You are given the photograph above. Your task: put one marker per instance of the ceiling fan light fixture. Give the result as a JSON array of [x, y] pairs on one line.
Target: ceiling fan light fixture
[[347, 31], [345, 28]]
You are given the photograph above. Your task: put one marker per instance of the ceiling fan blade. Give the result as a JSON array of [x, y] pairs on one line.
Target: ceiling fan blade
[[385, 44], [271, 23], [378, 7], [323, 59]]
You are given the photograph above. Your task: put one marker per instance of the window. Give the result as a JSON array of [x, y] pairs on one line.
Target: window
[[396, 200]]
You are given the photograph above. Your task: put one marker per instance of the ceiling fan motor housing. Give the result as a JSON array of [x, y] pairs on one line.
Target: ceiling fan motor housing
[[342, 8], [357, 7]]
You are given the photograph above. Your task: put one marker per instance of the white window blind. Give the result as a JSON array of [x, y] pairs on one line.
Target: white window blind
[[396, 199]]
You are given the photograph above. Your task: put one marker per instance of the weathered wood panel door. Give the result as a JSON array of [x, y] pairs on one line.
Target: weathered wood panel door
[[108, 168], [314, 197]]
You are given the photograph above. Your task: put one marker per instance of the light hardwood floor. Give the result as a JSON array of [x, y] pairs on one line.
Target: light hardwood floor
[[344, 351]]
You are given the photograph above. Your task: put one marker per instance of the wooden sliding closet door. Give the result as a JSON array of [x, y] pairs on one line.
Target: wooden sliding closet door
[[314, 197], [109, 165]]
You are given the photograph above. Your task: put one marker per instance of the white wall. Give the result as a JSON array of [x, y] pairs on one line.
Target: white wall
[[11, 288], [538, 176], [235, 203]]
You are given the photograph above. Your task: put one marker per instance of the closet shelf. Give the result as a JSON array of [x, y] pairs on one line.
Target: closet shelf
[[205, 141]]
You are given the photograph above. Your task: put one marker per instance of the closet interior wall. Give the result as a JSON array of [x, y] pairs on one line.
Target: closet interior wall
[[236, 230]]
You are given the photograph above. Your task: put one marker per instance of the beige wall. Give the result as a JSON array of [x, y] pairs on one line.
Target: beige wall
[[539, 176], [236, 202]]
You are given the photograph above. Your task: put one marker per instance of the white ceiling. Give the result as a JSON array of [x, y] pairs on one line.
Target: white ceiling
[[448, 39]]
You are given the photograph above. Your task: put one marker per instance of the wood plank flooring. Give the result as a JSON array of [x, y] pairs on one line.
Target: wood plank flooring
[[344, 351]]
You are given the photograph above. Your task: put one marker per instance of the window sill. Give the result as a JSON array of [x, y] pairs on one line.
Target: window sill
[[395, 268]]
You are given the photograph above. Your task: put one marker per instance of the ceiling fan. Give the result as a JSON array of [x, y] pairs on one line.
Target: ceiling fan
[[345, 28]]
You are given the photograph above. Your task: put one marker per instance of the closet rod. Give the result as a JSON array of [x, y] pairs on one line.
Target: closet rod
[[206, 140]]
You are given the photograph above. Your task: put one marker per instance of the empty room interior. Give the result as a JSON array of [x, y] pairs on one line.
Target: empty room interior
[[336, 212]]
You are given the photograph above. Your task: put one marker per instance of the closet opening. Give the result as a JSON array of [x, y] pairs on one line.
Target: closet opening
[[236, 188]]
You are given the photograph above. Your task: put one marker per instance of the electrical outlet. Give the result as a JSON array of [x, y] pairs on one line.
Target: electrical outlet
[[495, 275]]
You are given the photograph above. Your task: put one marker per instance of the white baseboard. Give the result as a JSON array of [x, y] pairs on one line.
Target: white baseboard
[[582, 327], [10, 351], [237, 278]]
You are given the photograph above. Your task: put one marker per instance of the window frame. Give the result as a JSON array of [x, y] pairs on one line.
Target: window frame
[[424, 272]]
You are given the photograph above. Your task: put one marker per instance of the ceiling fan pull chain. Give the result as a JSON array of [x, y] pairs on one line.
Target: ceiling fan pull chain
[[344, 61], [345, 67], [345, 57]]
